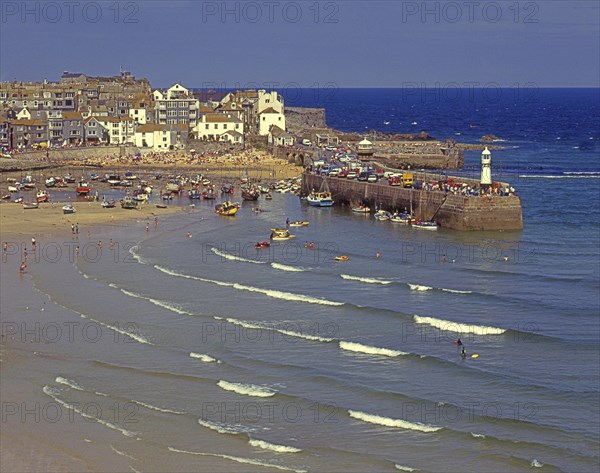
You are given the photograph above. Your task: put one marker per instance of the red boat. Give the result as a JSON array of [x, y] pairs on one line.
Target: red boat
[[83, 188], [262, 244], [42, 196]]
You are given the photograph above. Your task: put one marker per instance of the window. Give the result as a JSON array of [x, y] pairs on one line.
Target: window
[[216, 126], [207, 126], [92, 132]]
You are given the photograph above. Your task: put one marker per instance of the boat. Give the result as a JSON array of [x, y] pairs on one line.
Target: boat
[[108, 204], [68, 209], [250, 192], [264, 188], [209, 194], [18, 201], [321, 198], [13, 188], [5, 197], [167, 197], [42, 196], [83, 188], [129, 203], [361, 209], [228, 209], [161, 206], [382, 215], [50, 182], [342, 258], [227, 188], [194, 194], [27, 182], [113, 179], [402, 218], [141, 197], [94, 177], [299, 224], [172, 187], [30, 205], [281, 234], [69, 178], [268, 197], [425, 225], [262, 244]]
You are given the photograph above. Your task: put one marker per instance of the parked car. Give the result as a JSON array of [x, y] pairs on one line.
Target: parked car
[[351, 175], [372, 178], [363, 176]]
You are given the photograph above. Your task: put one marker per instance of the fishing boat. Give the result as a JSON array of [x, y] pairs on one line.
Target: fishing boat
[[281, 234], [402, 218], [250, 192], [68, 209], [194, 194], [50, 182], [129, 203], [27, 182], [361, 209], [209, 194], [425, 225], [113, 179], [94, 177], [42, 196], [262, 244], [299, 224], [30, 205], [228, 209], [108, 204], [227, 188], [83, 188], [382, 215], [342, 258], [69, 178], [321, 198], [264, 188]]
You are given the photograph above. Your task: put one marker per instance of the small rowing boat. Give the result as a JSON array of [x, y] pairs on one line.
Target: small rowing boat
[[342, 258], [299, 224]]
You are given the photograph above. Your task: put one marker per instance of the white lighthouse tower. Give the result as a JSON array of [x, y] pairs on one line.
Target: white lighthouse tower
[[486, 168]]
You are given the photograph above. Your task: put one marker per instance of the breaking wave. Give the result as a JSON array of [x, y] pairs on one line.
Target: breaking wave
[[204, 358], [273, 447], [52, 393], [422, 288], [246, 389], [359, 348], [155, 408], [365, 280], [283, 267], [68, 382], [133, 336], [288, 296], [248, 461], [458, 327], [388, 422], [290, 333], [156, 302], [231, 257], [224, 428]]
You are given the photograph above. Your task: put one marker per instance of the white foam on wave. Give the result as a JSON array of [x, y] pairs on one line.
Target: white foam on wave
[[135, 256], [68, 382], [477, 436], [52, 393], [291, 333], [458, 327], [156, 408], [273, 447], [246, 389], [404, 468], [534, 176], [389, 422], [417, 287], [370, 350], [456, 291], [156, 302], [582, 172], [224, 428], [283, 267], [133, 336], [204, 358], [248, 461], [231, 257], [536, 464], [119, 452], [365, 280], [288, 296]]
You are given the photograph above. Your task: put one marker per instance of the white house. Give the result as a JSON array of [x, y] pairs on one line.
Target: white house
[[160, 137], [176, 106], [279, 137], [268, 118], [220, 127]]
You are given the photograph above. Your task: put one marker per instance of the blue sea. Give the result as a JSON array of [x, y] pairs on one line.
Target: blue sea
[[285, 359]]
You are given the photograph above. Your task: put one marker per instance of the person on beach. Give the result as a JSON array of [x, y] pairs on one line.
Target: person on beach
[[189, 235], [287, 222], [77, 228], [100, 244], [33, 244], [77, 251], [25, 254], [463, 352], [147, 227], [155, 221], [458, 342], [22, 267], [111, 244], [73, 229], [443, 258], [377, 255]]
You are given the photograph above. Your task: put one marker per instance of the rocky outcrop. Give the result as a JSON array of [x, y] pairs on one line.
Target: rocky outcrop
[[301, 118]]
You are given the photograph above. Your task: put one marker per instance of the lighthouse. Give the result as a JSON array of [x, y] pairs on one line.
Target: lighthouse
[[486, 168]]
